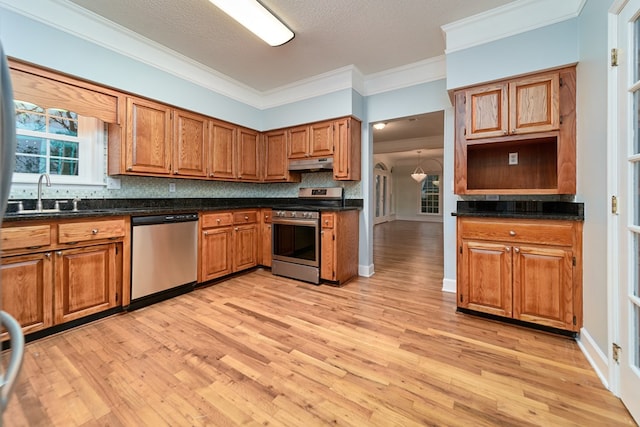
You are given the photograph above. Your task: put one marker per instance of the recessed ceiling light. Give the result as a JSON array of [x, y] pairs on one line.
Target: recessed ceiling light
[[257, 19], [379, 126]]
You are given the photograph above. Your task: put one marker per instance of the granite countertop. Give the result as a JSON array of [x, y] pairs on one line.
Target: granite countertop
[[529, 209], [140, 207]]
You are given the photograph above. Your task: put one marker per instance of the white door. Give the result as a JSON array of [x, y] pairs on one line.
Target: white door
[[382, 186], [628, 229]]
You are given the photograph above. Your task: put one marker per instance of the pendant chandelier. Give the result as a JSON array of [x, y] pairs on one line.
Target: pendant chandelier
[[418, 174]]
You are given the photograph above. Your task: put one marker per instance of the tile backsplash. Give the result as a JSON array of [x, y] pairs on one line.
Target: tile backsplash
[[134, 187]]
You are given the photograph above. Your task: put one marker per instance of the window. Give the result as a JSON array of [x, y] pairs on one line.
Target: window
[[430, 195], [67, 146]]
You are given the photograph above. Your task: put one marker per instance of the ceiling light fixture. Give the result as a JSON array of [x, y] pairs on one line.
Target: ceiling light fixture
[[379, 126], [418, 174], [257, 19]]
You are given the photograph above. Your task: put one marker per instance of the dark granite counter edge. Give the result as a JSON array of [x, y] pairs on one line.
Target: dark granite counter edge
[[527, 209], [560, 216], [137, 207]]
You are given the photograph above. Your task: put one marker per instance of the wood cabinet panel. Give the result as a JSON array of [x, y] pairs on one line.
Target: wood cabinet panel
[[73, 232], [20, 237], [85, 282], [248, 155], [487, 111], [216, 253], [346, 156], [339, 246], [245, 240], [276, 158], [528, 231], [27, 291], [485, 278], [265, 252], [148, 137], [190, 144], [222, 150], [218, 219], [543, 285], [321, 139], [534, 104], [299, 141]]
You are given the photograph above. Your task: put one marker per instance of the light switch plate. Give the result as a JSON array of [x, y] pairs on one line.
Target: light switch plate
[[513, 158]]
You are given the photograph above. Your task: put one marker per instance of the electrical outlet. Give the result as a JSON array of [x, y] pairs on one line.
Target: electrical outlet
[[513, 158], [172, 187]]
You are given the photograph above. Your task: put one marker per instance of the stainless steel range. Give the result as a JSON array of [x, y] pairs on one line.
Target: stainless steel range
[[296, 234]]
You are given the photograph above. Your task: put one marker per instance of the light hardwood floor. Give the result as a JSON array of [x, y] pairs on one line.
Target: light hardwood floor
[[389, 350]]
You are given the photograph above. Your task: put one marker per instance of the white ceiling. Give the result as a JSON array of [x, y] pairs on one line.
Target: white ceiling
[[371, 35]]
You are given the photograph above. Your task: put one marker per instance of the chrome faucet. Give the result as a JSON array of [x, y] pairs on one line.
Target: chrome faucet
[[39, 201]]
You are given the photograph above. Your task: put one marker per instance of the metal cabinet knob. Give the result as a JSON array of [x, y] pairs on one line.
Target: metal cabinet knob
[[218, 220], [94, 231], [512, 233], [246, 218], [206, 233], [236, 229], [326, 221], [507, 248], [516, 250], [59, 253], [47, 255]]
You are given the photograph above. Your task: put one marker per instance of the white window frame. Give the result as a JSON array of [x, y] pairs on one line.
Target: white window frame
[[439, 213], [92, 137]]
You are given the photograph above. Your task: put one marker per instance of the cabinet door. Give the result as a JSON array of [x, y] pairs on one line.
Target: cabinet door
[[487, 111], [217, 255], [190, 144], [265, 254], [321, 143], [542, 286], [346, 156], [148, 137], [534, 104], [485, 278], [299, 138], [222, 150], [27, 291], [248, 155], [245, 240], [85, 281], [276, 162], [327, 248]]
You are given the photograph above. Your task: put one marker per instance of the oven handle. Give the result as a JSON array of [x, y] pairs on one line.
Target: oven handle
[[307, 222]]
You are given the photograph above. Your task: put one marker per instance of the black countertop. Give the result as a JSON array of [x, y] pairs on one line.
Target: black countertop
[[139, 207], [530, 209]]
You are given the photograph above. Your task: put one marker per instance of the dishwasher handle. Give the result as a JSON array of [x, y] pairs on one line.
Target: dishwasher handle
[[163, 219]]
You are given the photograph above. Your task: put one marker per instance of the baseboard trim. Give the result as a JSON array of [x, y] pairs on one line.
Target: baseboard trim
[[366, 270], [449, 285], [596, 358]]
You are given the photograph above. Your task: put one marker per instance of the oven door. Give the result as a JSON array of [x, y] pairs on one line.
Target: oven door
[[296, 241]]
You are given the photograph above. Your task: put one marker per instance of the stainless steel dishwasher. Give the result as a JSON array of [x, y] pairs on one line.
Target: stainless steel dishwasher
[[164, 256]]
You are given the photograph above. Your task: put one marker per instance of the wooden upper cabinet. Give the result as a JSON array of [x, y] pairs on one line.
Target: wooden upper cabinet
[[190, 144], [346, 156], [276, 163], [299, 141], [487, 111], [248, 155], [148, 137], [222, 150], [517, 136], [321, 142], [519, 106]]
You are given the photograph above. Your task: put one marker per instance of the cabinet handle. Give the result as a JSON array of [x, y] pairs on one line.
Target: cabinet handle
[[59, 253], [94, 231], [47, 255], [211, 175], [246, 218], [513, 131], [516, 250], [507, 248], [218, 220], [512, 233], [129, 169], [504, 132], [322, 232], [326, 221], [206, 233], [266, 217], [236, 229]]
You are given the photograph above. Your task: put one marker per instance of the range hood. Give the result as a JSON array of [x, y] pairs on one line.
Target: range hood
[[317, 164]]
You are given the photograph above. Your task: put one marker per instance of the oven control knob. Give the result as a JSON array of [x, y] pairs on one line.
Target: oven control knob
[[293, 214]]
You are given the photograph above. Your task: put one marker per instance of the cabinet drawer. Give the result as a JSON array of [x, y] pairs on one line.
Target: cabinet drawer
[[94, 230], [327, 220], [245, 217], [219, 219], [542, 232], [26, 237]]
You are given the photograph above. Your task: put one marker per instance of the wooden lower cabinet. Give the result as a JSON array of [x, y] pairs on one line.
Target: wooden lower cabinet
[[530, 270], [27, 290], [85, 281], [339, 246], [74, 271], [228, 243]]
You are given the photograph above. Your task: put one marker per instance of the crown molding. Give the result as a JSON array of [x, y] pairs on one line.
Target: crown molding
[[508, 20], [425, 71]]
